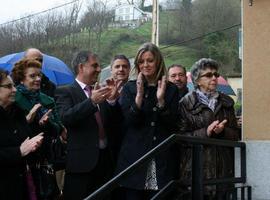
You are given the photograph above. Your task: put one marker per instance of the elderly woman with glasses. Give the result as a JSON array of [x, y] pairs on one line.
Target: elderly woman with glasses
[[207, 113], [15, 144], [39, 109]]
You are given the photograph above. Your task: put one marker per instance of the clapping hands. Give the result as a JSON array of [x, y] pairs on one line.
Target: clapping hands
[[31, 145], [45, 118], [114, 85], [33, 112], [110, 91], [140, 90], [161, 91], [216, 127]]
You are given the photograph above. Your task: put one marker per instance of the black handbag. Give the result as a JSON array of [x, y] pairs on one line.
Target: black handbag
[[58, 154], [45, 181]]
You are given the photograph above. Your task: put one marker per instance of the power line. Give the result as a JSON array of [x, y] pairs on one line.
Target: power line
[[38, 13], [200, 36]]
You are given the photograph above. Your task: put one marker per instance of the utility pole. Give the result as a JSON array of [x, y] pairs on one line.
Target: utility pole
[[155, 23]]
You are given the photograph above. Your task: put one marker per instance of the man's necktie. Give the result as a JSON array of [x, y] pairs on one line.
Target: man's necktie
[[101, 131]]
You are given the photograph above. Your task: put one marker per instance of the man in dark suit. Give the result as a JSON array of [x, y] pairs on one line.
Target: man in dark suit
[[120, 68], [88, 156]]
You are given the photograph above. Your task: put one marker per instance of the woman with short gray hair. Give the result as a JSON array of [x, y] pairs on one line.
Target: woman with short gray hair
[[207, 113]]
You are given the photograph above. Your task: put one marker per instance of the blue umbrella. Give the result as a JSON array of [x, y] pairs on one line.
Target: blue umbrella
[[55, 69]]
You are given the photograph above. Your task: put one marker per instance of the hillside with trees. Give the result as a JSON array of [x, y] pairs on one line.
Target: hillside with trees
[[189, 30]]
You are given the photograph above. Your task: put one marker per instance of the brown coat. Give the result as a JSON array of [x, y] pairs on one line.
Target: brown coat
[[194, 120]]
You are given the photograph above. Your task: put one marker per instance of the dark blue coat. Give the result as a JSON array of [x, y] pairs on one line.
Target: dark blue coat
[[146, 128]]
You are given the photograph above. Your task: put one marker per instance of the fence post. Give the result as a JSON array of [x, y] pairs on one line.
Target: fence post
[[197, 172]]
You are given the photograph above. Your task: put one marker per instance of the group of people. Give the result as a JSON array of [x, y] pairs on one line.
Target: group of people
[[108, 126], [29, 122]]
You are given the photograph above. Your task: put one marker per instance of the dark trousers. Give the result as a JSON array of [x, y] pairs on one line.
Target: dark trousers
[[78, 186]]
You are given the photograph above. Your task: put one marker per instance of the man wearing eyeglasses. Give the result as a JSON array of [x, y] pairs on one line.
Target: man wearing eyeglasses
[[46, 86], [177, 75]]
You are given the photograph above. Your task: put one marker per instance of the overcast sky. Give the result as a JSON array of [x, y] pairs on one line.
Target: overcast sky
[[14, 9]]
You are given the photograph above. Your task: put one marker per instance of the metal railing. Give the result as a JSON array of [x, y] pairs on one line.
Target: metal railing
[[197, 183]]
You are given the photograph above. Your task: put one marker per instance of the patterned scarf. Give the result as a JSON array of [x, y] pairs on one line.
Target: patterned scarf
[[209, 99], [34, 98]]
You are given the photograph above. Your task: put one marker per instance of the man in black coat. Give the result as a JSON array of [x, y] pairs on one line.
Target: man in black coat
[[120, 68], [88, 156]]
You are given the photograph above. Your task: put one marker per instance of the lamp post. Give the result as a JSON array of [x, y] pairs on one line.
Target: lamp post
[[155, 23]]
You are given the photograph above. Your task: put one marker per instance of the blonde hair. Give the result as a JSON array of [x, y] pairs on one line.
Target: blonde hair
[[161, 68]]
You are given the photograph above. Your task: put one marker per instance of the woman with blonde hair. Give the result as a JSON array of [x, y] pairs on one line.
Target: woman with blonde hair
[[149, 105]]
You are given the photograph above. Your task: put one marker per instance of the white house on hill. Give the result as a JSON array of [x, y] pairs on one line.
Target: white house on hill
[[130, 15]]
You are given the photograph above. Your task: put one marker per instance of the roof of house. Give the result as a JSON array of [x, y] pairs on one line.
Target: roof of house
[[129, 5]]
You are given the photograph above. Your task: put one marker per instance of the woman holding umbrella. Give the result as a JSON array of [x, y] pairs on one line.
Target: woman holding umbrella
[[40, 112], [15, 144], [207, 113]]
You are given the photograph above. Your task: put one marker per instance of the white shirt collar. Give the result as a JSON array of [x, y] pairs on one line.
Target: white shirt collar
[[82, 85]]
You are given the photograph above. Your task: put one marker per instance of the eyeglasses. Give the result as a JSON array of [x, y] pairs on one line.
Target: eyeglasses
[[8, 86], [210, 74], [34, 76], [39, 60]]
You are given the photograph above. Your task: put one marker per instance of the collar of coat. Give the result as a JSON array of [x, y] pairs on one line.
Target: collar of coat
[[25, 104], [193, 105]]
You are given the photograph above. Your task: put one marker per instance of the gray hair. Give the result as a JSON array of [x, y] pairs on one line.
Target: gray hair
[[202, 64], [81, 57]]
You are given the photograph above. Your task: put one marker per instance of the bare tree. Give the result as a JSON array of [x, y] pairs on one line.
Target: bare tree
[[72, 15], [130, 2], [96, 20], [6, 39]]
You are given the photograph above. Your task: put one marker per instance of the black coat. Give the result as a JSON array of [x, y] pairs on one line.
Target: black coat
[[14, 130], [114, 128], [47, 87], [77, 114], [146, 128]]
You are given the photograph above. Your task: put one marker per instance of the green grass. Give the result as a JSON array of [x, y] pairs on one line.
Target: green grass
[[127, 41], [179, 55]]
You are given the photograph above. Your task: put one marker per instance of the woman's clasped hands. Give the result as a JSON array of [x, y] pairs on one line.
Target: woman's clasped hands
[[216, 127]]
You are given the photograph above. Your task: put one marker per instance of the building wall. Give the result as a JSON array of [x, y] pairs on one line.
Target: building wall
[[256, 70], [256, 95], [124, 11]]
